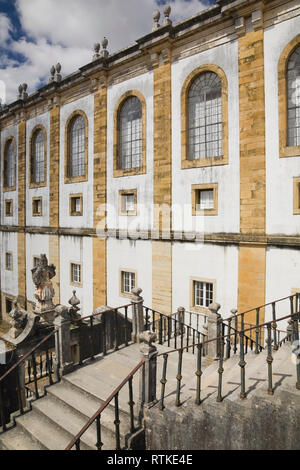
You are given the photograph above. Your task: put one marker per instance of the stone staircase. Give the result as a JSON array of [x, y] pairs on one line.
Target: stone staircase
[[56, 418]]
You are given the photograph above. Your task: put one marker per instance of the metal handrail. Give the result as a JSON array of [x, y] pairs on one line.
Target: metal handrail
[[76, 439], [112, 309]]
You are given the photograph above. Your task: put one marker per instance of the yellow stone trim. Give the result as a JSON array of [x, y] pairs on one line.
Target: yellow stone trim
[[284, 149], [6, 188], [22, 270], [54, 167], [116, 149], [54, 257], [125, 192], [211, 161], [296, 194], [22, 174], [200, 187], [32, 184], [76, 179], [197, 308]]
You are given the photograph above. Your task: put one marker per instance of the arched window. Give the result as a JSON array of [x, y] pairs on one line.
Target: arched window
[[38, 157], [9, 164], [293, 98], [205, 117], [130, 126], [76, 147]]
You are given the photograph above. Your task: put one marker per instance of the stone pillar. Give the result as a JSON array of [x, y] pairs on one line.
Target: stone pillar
[[147, 378], [213, 329], [137, 314], [63, 341], [180, 318]]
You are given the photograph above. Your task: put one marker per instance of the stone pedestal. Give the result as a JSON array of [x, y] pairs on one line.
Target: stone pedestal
[[213, 328], [137, 315], [147, 374], [64, 362]]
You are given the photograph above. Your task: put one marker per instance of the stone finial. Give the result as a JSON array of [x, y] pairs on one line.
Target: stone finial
[[96, 51], [18, 321], [73, 310], [147, 337], [156, 17], [104, 43], [52, 72], [62, 311], [214, 307], [234, 311], [136, 293], [22, 89], [167, 12]]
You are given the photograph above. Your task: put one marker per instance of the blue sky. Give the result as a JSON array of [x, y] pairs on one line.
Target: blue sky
[[35, 34]]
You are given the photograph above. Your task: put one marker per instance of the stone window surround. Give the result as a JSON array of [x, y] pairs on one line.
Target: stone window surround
[[71, 211], [123, 192], [195, 189], [296, 194], [75, 179], [34, 213], [211, 161], [193, 307], [284, 149], [5, 188], [74, 283], [9, 203], [7, 268], [125, 270], [117, 172], [31, 140]]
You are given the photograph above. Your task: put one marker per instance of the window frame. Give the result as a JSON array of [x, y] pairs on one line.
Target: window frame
[[33, 184], [123, 193], [284, 149], [296, 195], [14, 187], [72, 282], [203, 187], [34, 200], [186, 163], [71, 211], [122, 271], [6, 213], [196, 308], [7, 268], [75, 179], [116, 147]]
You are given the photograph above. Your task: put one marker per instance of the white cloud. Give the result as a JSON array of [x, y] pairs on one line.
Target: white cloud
[[65, 30]]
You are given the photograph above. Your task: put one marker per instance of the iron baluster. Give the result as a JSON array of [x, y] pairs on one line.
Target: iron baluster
[[117, 422], [242, 362], [153, 321], [296, 347], [198, 374], [48, 367], [131, 405], [228, 348], [269, 359], [160, 329], [274, 326], [257, 331], [175, 334], [197, 327], [246, 348], [181, 334], [235, 334], [77, 444], [104, 334], [126, 325], [179, 377], [99, 443], [116, 329], [163, 382], [221, 370], [41, 366], [147, 318], [169, 330], [92, 338], [187, 337], [19, 392], [29, 370], [193, 341], [35, 376]]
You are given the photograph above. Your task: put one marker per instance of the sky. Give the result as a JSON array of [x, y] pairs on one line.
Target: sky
[[36, 34]]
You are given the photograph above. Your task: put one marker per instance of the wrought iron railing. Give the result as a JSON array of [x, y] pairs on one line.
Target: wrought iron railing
[[96, 418], [172, 330], [192, 319]]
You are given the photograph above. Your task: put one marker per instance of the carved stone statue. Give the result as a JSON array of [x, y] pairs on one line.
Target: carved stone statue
[[41, 276], [18, 322]]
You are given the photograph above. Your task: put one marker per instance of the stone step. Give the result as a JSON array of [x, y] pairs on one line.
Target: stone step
[[17, 439]]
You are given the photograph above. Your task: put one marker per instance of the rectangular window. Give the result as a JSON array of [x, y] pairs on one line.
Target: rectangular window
[[127, 202], [202, 293], [8, 208], [205, 199], [76, 204], [37, 206], [75, 273], [296, 196], [128, 280], [8, 261]]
